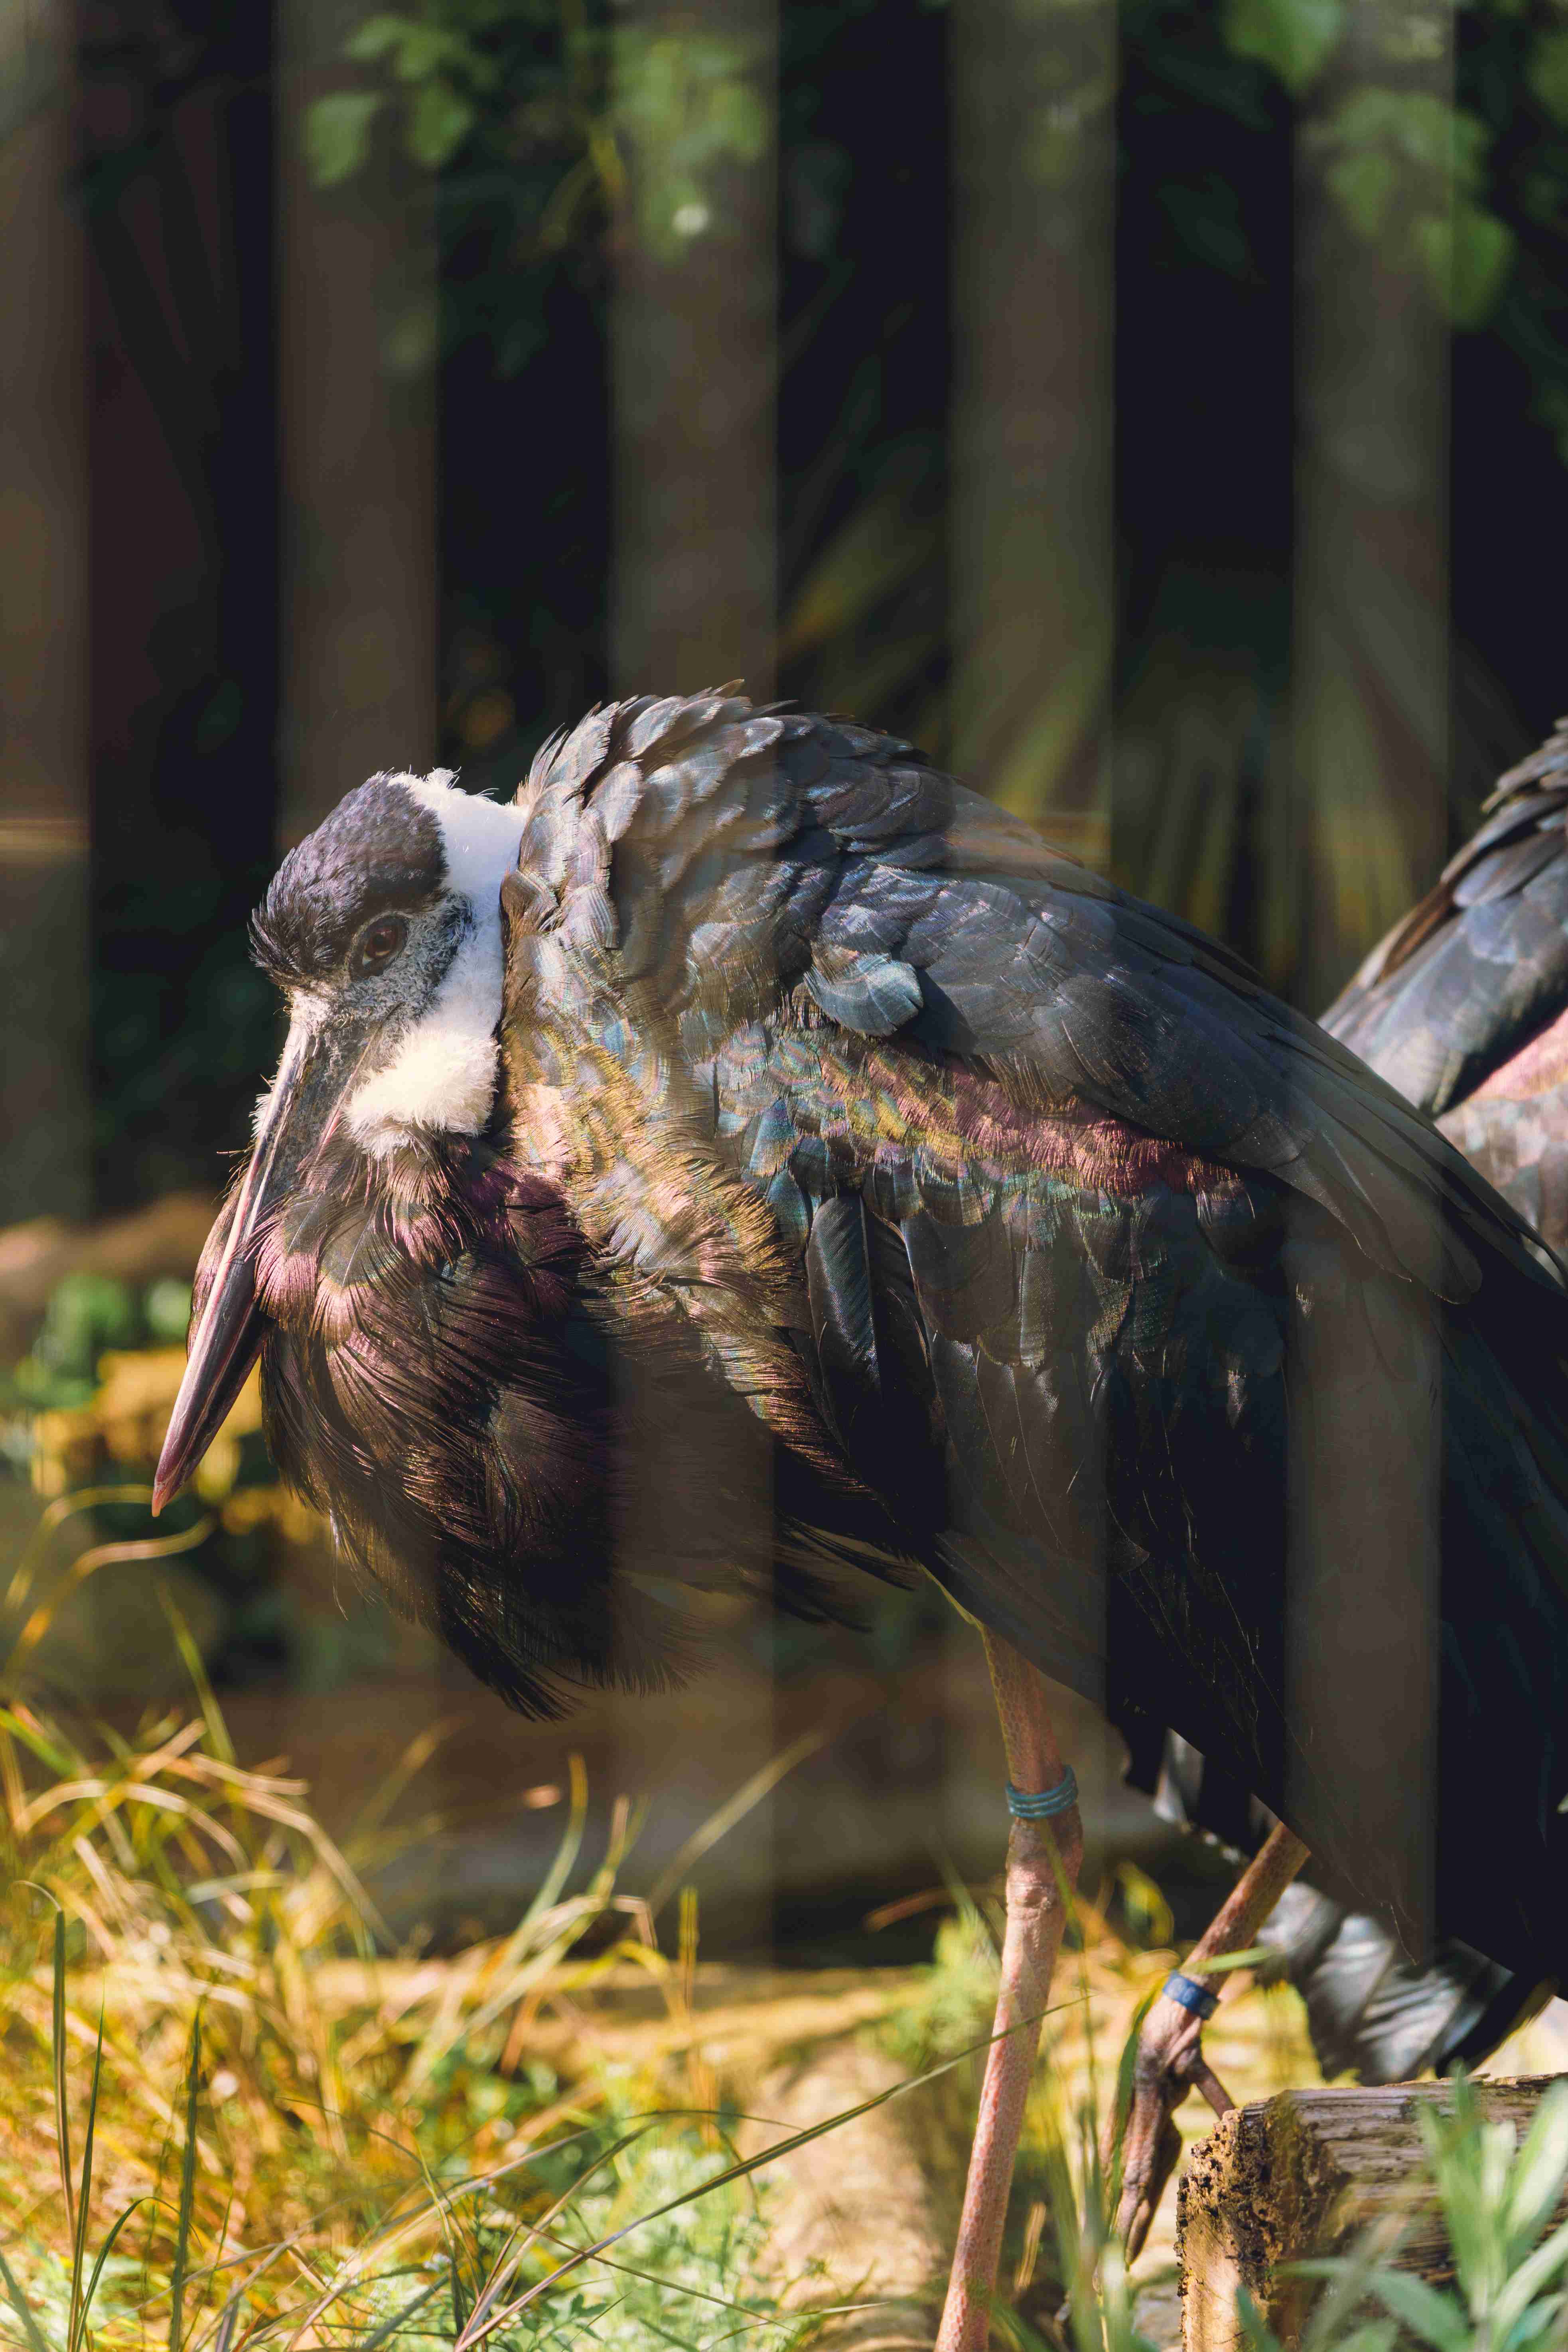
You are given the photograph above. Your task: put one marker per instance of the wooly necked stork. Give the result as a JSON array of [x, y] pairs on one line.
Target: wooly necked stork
[[1463, 1007], [748, 1089]]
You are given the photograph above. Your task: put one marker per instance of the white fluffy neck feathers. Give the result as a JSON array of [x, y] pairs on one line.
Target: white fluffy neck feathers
[[442, 1076]]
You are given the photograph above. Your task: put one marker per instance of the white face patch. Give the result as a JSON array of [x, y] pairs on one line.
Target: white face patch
[[443, 1074]]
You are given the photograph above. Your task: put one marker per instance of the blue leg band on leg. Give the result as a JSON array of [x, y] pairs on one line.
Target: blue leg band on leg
[[1025, 1806], [1188, 1993]]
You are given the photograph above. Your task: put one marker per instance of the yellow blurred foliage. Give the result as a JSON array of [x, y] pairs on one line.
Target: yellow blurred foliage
[[124, 1424]]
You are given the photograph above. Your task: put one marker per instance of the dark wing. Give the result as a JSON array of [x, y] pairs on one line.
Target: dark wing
[[1098, 1381], [1481, 966], [747, 860], [1106, 1253]]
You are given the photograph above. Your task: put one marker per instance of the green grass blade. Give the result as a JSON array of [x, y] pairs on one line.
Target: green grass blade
[[1542, 2169], [77, 2319], [1259, 2336], [1232, 1963], [520, 2238], [718, 1824], [62, 2113], [1535, 2272], [191, 1658], [478, 2333], [1347, 2282], [459, 2300], [566, 1853], [225, 2325], [1438, 2319], [103, 2253], [700, 2294], [391, 2229], [187, 2192], [20, 2304], [47, 1751], [1534, 2321], [390, 2326]]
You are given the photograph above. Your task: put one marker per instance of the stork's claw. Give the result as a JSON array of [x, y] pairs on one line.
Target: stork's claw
[[1170, 2062]]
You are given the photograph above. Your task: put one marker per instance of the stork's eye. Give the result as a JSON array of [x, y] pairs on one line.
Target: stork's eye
[[380, 940]]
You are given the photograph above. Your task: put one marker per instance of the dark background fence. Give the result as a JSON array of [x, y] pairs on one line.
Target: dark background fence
[[1090, 393]]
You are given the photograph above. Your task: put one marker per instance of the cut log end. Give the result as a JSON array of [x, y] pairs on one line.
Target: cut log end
[[1307, 2173]]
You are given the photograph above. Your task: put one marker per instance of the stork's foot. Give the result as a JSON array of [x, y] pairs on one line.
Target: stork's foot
[[1170, 2062]]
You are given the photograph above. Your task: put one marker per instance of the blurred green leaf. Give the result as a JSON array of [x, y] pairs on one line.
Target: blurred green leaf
[[337, 134], [38, 1390], [375, 36], [1520, 2293], [1363, 185], [1414, 124], [32, 2333], [684, 106], [1543, 2169], [439, 122], [1467, 257], [1409, 172], [1547, 74], [409, 341], [1294, 37], [1436, 2318], [166, 1306], [739, 122], [424, 50], [420, 48], [86, 1314]]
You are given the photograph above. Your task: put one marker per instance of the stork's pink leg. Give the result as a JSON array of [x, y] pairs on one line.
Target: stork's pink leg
[[1170, 2060], [1043, 1858]]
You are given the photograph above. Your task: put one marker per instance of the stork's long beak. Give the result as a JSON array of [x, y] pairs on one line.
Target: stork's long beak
[[227, 1335]]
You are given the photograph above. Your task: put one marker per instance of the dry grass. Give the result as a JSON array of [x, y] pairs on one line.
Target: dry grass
[[263, 2122], [206, 2031], [276, 2127], [198, 2033], [280, 2133]]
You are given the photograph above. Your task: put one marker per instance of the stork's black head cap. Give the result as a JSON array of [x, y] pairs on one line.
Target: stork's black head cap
[[381, 848]]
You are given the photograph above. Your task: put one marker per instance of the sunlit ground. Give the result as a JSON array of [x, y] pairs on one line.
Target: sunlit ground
[[349, 2134], [306, 2130]]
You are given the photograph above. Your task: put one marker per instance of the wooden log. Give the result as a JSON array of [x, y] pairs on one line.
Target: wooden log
[[1306, 2174]]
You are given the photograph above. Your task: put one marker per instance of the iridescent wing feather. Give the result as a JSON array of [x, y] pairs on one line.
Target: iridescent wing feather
[[1090, 1252]]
